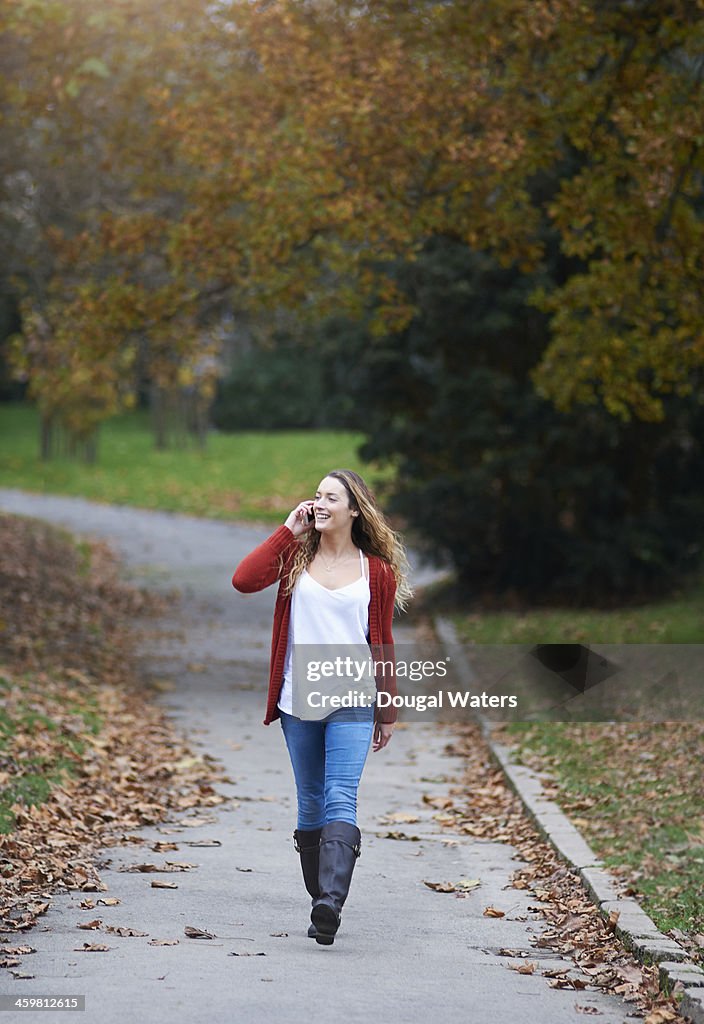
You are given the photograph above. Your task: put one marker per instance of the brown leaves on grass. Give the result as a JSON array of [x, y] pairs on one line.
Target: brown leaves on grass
[[646, 782], [75, 715], [486, 807]]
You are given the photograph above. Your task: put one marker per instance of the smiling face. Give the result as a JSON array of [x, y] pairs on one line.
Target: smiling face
[[332, 507]]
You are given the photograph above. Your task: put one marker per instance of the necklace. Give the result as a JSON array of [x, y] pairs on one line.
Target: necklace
[[329, 568]]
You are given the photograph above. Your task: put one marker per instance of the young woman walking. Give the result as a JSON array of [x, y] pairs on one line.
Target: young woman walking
[[341, 571]]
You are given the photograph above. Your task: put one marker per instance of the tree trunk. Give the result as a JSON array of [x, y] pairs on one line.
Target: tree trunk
[[46, 437], [158, 411]]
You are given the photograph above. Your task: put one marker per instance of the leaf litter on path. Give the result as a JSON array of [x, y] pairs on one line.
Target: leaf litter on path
[[73, 698]]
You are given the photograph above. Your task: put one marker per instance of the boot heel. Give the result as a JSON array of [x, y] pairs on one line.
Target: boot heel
[[340, 844], [326, 922]]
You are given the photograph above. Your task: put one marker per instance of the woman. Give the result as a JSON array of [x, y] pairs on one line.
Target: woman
[[341, 570]]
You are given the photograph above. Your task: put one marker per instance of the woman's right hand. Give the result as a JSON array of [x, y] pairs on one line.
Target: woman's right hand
[[297, 519]]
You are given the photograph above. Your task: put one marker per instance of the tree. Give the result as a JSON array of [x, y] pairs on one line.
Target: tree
[[579, 507], [282, 154], [83, 246], [327, 138]]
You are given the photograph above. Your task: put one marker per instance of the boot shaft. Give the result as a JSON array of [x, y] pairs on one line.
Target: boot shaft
[[340, 846], [307, 845]]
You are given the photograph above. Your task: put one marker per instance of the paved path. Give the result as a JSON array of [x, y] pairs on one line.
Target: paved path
[[404, 953]]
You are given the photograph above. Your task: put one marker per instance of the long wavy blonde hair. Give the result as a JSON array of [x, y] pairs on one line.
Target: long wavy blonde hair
[[370, 532]]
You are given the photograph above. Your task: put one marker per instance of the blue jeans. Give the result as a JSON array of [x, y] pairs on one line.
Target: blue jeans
[[327, 758]]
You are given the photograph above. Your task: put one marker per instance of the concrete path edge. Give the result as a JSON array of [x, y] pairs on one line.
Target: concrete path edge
[[636, 930]]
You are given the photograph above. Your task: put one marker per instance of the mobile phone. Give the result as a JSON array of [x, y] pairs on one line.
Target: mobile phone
[[311, 516]]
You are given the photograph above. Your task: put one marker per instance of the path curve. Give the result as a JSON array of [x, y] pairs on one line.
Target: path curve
[[404, 953]]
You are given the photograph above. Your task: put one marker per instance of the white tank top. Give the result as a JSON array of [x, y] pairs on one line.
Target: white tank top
[[323, 616]]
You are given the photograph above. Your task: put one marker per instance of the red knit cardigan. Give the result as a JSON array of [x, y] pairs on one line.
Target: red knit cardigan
[[270, 562]]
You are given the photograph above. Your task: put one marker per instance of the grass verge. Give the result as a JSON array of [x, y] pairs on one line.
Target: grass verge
[[634, 790], [250, 476]]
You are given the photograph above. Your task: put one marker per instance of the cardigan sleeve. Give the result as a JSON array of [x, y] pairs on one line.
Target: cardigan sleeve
[[263, 566], [387, 608], [386, 680]]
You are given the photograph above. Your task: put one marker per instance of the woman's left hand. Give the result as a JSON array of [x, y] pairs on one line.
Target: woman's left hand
[[382, 734]]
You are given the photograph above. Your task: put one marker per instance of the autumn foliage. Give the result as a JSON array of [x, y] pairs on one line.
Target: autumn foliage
[[194, 157]]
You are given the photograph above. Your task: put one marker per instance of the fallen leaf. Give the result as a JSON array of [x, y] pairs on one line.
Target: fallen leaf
[[169, 865], [440, 886], [197, 933], [633, 975], [398, 835], [399, 817], [660, 1016], [467, 884], [493, 912], [612, 920], [442, 802], [527, 968]]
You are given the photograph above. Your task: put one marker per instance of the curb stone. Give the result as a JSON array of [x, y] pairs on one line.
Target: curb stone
[[636, 930]]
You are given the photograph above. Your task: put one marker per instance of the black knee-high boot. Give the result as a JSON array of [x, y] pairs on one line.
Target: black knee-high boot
[[340, 845], [307, 844]]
